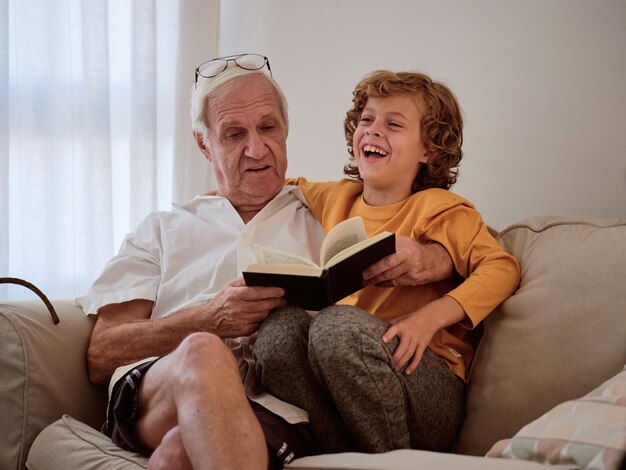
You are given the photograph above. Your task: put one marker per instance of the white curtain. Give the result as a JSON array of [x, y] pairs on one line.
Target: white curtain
[[94, 129]]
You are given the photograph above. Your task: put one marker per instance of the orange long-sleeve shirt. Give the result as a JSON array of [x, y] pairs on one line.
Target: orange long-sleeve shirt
[[490, 274]]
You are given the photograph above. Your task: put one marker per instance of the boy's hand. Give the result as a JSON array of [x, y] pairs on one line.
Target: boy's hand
[[416, 330], [412, 264]]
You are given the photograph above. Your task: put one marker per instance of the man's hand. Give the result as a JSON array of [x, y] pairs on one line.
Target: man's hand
[[413, 264], [238, 310]]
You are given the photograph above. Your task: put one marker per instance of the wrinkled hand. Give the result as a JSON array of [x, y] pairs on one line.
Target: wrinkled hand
[[238, 310], [413, 264]]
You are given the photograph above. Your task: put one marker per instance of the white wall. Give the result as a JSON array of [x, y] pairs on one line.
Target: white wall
[[542, 84]]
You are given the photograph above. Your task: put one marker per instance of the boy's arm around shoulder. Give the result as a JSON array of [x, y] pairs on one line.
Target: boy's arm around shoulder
[[491, 274], [329, 201]]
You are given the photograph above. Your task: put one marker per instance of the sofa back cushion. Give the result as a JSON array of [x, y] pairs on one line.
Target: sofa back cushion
[[43, 374], [562, 334]]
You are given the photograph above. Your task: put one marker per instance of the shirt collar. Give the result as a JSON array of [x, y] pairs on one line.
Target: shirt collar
[[285, 192]]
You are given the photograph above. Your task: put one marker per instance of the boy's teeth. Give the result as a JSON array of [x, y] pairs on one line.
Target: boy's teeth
[[371, 149]]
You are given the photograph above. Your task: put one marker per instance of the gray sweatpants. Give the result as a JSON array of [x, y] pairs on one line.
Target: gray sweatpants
[[336, 367]]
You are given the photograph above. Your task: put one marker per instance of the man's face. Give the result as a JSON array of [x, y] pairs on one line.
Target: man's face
[[247, 142]]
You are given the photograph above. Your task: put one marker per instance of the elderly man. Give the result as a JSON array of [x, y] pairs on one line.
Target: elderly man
[[174, 294]]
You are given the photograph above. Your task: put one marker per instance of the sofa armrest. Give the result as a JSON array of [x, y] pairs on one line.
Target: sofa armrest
[[43, 374]]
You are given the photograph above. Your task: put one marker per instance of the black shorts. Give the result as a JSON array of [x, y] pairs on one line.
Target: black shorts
[[285, 441]]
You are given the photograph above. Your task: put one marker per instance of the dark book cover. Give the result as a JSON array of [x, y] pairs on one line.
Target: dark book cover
[[346, 277], [335, 283]]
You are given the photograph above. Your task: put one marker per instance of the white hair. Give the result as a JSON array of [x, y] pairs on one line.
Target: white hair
[[207, 88]]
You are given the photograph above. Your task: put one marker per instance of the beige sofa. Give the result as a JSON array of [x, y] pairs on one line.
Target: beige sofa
[[562, 335]]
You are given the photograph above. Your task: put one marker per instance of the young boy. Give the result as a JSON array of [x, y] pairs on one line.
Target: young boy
[[404, 134]]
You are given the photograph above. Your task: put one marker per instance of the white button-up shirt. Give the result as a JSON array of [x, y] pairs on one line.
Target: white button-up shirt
[[183, 258]]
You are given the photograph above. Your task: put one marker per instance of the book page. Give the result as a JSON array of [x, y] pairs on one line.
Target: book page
[[342, 236], [267, 255], [356, 247], [294, 269]]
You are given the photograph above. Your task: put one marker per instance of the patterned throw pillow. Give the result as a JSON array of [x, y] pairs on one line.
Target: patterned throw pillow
[[589, 432]]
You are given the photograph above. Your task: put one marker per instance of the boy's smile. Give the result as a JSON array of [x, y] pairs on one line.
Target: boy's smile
[[388, 147], [371, 151]]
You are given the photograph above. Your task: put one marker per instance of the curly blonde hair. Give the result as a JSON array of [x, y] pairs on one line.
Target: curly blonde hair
[[441, 126]]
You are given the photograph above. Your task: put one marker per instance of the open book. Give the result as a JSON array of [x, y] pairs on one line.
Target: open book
[[346, 252]]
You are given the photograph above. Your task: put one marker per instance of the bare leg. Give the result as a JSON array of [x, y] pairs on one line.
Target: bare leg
[[198, 388]]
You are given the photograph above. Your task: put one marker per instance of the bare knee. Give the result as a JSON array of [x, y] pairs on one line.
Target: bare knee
[[197, 346], [201, 357]]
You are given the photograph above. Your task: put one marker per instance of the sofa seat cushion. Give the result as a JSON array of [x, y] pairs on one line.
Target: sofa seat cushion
[[68, 443], [589, 432], [412, 459], [560, 335]]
